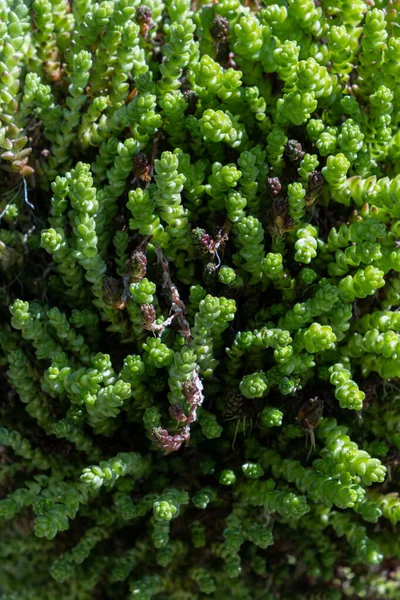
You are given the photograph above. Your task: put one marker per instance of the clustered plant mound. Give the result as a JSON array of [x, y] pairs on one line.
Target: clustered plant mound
[[200, 341]]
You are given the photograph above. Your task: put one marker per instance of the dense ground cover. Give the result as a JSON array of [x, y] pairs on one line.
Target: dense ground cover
[[199, 262]]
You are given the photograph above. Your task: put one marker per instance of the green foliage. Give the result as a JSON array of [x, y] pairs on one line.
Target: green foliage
[[199, 292]]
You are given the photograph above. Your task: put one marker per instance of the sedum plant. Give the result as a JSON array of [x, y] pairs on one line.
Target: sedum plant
[[200, 336]]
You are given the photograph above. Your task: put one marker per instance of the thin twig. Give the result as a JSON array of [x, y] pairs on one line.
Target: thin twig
[[177, 306]]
